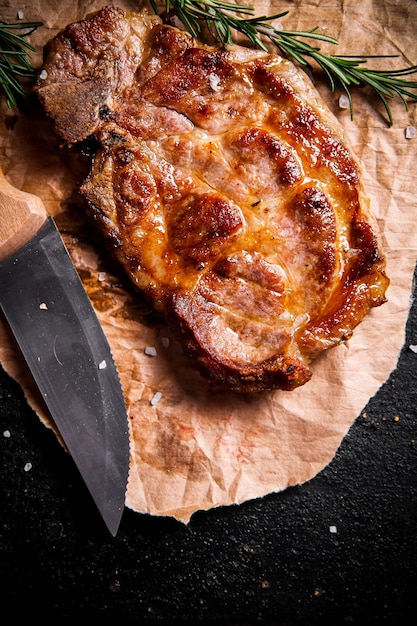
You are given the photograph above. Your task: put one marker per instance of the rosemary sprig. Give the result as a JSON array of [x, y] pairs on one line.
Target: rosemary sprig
[[222, 18], [15, 60]]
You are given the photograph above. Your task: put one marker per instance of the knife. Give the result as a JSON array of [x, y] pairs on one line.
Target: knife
[[64, 345]]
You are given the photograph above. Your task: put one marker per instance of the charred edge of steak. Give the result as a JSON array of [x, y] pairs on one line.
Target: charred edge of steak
[[278, 372]]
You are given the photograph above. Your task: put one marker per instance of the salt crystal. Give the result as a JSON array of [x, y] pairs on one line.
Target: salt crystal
[[6, 434], [165, 342], [344, 102], [20, 15], [413, 348], [214, 81], [175, 21], [333, 529], [156, 398], [28, 467], [102, 365], [43, 306], [150, 351], [410, 132], [43, 75]]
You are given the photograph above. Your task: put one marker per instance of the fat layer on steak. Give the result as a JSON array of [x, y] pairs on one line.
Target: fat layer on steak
[[224, 188]]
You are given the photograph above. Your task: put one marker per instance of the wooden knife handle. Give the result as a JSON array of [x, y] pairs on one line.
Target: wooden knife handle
[[21, 216]]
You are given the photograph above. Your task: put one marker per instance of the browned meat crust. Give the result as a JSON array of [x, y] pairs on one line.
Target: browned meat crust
[[226, 191]]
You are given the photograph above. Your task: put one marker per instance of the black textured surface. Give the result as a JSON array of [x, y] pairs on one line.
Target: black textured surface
[[272, 560]]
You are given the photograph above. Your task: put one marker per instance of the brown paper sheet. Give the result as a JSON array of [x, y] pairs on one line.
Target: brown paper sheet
[[195, 448]]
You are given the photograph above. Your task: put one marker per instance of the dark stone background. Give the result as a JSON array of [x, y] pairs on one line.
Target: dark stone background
[[271, 560]]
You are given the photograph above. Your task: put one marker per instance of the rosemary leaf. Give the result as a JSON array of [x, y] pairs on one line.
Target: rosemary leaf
[[15, 61]]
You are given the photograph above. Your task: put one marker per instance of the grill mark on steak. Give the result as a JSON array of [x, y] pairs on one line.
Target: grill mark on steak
[[225, 190]]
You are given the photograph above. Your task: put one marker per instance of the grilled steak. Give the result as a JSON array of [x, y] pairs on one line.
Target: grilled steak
[[225, 190]]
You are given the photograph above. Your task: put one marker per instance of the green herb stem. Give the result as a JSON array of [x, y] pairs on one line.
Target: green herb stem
[[15, 60]]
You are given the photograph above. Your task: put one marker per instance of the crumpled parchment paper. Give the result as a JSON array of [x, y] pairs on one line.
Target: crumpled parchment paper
[[197, 448]]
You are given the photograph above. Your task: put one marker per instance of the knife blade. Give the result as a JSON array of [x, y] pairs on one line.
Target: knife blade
[[64, 345]]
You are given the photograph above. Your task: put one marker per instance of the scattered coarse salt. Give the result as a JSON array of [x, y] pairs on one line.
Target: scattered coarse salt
[[410, 132], [175, 21], [344, 102], [277, 25], [102, 365], [150, 351], [165, 342], [413, 348], [156, 398], [214, 81], [101, 276], [6, 434], [20, 14], [43, 306], [28, 467], [43, 75], [333, 529]]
